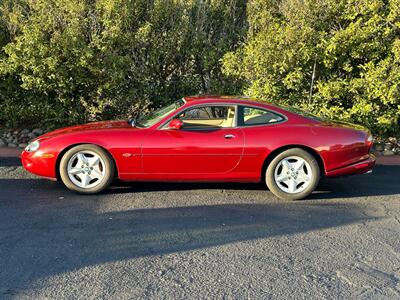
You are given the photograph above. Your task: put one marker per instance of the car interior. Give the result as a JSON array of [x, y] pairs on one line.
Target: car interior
[[209, 117], [224, 117], [255, 116]]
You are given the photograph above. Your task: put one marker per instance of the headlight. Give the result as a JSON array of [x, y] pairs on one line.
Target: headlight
[[33, 146]]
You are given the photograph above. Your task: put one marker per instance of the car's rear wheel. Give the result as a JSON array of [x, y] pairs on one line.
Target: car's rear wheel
[[87, 169], [293, 174]]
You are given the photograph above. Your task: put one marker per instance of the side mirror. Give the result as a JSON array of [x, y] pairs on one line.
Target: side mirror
[[175, 124]]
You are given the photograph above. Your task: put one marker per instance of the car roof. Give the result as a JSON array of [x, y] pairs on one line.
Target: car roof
[[206, 99], [225, 99]]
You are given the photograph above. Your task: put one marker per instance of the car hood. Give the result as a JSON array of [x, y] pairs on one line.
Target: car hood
[[88, 127]]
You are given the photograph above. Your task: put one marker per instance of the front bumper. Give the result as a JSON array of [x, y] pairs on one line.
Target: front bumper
[[39, 163], [361, 167]]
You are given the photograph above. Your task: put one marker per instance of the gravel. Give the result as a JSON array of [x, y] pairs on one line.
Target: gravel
[[191, 241], [18, 138]]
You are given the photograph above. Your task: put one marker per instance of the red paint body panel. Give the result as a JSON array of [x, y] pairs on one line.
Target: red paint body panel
[[360, 167], [191, 152], [161, 154]]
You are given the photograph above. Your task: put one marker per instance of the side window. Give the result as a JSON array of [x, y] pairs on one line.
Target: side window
[[208, 117], [204, 113], [258, 116]]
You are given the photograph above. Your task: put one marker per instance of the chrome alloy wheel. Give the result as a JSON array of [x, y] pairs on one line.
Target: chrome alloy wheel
[[86, 169], [293, 174]]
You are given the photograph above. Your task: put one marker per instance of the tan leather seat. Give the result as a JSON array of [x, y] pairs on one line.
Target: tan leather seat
[[230, 117]]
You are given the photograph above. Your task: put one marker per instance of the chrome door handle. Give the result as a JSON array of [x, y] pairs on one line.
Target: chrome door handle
[[229, 136]]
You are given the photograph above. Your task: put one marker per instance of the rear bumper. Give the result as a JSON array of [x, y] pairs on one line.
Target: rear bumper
[[361, 167]]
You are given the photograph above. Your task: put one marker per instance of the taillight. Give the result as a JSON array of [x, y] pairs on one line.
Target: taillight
[[370, 140]]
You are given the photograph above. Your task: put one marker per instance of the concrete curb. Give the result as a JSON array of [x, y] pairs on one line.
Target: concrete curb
[[10, 152], [393, 160]]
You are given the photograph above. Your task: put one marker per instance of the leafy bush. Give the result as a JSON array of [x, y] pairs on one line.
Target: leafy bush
[[69, 61], [353, 46]]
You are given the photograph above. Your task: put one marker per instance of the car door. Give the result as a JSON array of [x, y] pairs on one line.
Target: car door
[[207, 144]]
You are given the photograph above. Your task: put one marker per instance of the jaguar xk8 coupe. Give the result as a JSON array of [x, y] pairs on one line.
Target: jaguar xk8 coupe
[[205, 138]]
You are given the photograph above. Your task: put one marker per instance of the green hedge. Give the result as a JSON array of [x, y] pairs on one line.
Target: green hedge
[[68, 61], [351, 48]]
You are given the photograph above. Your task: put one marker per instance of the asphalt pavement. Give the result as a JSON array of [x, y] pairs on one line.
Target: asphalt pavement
[[199, 241]]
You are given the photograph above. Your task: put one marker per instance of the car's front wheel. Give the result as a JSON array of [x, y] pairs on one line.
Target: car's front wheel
[[293, 174], [87, 169]]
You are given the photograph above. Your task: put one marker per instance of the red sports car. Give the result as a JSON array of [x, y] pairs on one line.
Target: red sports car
[[205, 138]]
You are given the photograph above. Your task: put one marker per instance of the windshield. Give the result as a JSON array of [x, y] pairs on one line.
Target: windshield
[[157, 115]]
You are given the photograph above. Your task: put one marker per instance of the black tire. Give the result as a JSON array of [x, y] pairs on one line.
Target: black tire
[[109, 169], [270, 174]]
